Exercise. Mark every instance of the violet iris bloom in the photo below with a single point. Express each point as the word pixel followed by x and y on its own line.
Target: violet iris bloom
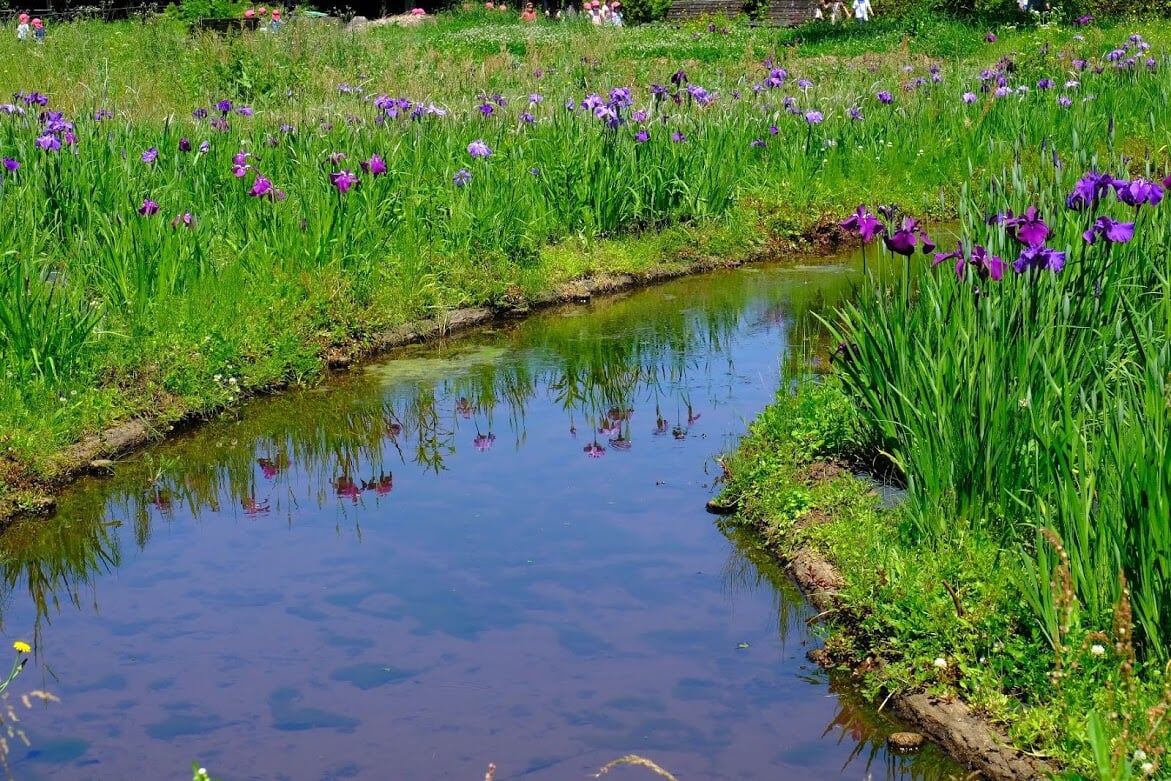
pixel 483 442
pixel 1138 191
pixel 885 97
pixel 642 136
pixel 864 224
pixel 375 166
pixel 224 106
pixel 855 114
pixel 1029 228
pixel 184 145
pixel 148 207
pixel 957 256
pixel 678 138
pixel 262 188
pixel 1039 257
pixel 199 113
pixel 903 240
pixel 183 219
pixel 1089 191
pixel 479 149
pixel 462 177
pixel 11 165
pixel 49 143
pixel 987 266
pixel 344 181
pixel 150 155
pixel 1106 228
pixel 205 147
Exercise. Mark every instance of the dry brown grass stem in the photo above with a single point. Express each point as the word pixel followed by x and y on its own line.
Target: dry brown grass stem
pixel 634 759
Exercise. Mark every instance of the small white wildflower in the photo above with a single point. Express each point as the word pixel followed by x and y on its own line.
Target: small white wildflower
pixel 1097 649
pixel 940 662
pixel 231 380
pixel 1139 755
pixel 1148 768
pixel 218 377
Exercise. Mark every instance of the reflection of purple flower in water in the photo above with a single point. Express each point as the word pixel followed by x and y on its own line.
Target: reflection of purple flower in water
pixel 382 486
pixel 483 442
pixel 346 488
pixel 609 429
pixel 620 443
pixel 594 450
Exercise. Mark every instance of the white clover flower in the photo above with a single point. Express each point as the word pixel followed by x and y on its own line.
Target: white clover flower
pixel 1139 755
pixel 1097 649
pixel 940 662
pixel 1148 768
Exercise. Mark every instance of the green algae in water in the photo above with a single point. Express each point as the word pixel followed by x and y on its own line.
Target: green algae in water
pixel 436 369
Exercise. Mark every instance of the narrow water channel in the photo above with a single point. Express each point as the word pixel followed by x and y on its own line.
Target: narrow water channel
pixel 492 549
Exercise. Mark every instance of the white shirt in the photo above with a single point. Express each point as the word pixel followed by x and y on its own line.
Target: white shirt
pixel 862 10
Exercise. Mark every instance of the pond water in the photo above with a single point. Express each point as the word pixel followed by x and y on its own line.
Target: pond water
pixel 492 549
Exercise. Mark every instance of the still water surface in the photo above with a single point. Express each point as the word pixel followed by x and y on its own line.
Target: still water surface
pixel 492 549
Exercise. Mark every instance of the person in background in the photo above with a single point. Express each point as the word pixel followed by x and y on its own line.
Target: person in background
pixel 275 24
pixel 595 13
pixel 837 11
pixel 862 11
pixel 38 30
pixel 616 13
pixel 819 11
pixel 529 14
pixel 22 29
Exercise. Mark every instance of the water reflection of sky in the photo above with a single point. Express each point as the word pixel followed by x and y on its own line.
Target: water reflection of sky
pixel 489 550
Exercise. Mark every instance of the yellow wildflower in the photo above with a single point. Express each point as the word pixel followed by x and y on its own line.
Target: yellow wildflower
pixel 22 646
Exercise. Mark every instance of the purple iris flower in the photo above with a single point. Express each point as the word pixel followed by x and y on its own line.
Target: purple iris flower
pixel 224 107
pixel 49 142
pixel 11 165
pixel 240 158
pixel 1081 21
pixel 679 77
pixel 150 155
pixel 244 111
pixel 903 240
pixel 184 145
pixel 1138 191
pixel 263 188
pixel 593 102
pixel 535 98
pixel 969 97
pixel 1111 230
pixel 987 266
pixel 957 256
pixel 678 137
pixel 658 90
pixel 620 97
pixel 642 136
pixel 375 166
pixel 804 84
pixel 1089 191
pixel 757 143
pixel 487 109
pixel 199 113
pixel 240 170
pixel 344 181
pixel 103 114
pixel 814 117
pixel 462 177
pixel 990 37
pixel 479 149
pixel 1064 101
pixel 527 119
pixel 1045 84
pixel 183 219
pixel 864 224
pixel 1039 257
pixel 220 124
pixel 148 207
pixel 205 147
pixel 1029 228
pixel 885 97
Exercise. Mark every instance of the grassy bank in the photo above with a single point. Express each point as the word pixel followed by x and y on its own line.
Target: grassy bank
pixel 947 615
pixel 188 220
